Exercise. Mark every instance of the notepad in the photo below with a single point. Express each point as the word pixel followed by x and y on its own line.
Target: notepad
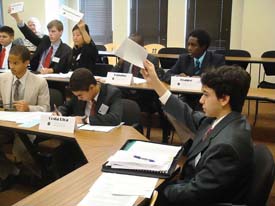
pixel 144 158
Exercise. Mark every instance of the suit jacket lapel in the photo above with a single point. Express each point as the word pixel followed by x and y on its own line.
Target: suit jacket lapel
pixel 200 145
pixel 205 61
pixel 7 95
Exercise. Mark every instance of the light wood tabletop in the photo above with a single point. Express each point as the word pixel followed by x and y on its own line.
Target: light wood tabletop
pixel 97 147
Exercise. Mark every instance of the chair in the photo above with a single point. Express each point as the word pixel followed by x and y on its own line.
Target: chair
pixel 235 53
pixel 100 69
pixel 101 59
pixel 56 98
pixel 131 114
pixel 167 63
pixel 153 48
pixel 269 70
pixel 111 47
pixel 262 179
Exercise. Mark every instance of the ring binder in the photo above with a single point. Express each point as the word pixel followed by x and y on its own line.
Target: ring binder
pixel 142 172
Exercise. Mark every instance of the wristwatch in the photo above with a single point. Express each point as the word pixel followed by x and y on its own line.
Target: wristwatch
pixel 84 120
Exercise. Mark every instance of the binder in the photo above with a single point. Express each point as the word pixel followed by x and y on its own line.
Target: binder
pixel 145 173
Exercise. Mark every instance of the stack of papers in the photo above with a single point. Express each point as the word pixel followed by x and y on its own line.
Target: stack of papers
pixel 118 190
pixel 145 156
pixel 54 75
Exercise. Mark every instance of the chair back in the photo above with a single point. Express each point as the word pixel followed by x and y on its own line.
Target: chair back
pixel 262 177
pixel 269 68
pixel 131 112
pixel 56 98
pixel 153 48
pixel 101 59
pixel 167 63
pixel 111 47
pixel 235 53
pixel 100 69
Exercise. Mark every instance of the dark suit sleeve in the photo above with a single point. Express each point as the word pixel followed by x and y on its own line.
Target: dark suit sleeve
pixel 176 69
pixel 183 113
pixel 220 168
pixel 118 68
pixel 113 116
pixel 64 53
pixel 32 37
pixel 220 60
pixel 67 108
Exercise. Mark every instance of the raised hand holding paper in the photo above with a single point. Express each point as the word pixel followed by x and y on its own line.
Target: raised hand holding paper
pixel 70 13
pixel 17 7
pixel 132 52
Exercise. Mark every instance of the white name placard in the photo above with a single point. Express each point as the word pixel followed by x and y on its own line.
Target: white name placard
pixel 70 13
pixel 17 7
pixel 192 83
pixel 119 78
pixel 57 123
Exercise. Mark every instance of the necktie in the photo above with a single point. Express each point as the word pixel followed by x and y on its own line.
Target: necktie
pixel 47 59
pixel 207 133
pixel 16 90
pixel 135 70
pixel 93 112
pixel 197 67
pixel 2 57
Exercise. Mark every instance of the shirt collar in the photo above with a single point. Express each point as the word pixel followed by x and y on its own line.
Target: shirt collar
pixel 56 45
pixel 217 121
pixel 22 79
pixel 200 59
pixel 7 47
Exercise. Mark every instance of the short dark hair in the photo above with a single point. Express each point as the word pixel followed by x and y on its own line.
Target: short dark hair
pixel 7 30
pixel 21 51
pixel 203 37
pixel 58 24
pixel 137 38
pixel 86 28
pixel 81 80
pixel 229 80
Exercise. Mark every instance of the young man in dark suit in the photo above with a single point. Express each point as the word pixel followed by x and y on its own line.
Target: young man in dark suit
pixel 198 59
pixel 51 55
pixel 6 39
pixel 220 158
pixel 93 103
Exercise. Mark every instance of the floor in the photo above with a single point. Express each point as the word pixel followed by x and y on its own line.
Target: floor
pixel 263 132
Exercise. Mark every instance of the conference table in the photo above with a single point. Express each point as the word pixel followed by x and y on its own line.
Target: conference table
pixel 97 148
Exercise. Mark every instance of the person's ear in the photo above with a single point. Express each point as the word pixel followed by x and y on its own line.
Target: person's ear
pixel 26 63
pixel 224 100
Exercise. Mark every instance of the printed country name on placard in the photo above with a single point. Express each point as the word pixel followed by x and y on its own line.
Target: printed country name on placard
pixel 120 75
pixel 57 118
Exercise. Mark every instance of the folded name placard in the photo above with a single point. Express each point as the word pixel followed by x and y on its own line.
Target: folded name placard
pixel 192 83
pixel 17 7
pixel 57 123
pixel 144 158
pixel 119 78
pixel 70 13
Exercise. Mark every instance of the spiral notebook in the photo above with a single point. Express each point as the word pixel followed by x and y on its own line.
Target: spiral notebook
pixel 156 159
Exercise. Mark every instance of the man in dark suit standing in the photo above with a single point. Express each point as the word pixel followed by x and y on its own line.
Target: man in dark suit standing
pixel 51 55
pixel 198 59
pixel 93 103
pixel 220 158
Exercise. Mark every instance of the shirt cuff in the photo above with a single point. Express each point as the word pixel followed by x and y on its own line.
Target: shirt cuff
pixel 164 98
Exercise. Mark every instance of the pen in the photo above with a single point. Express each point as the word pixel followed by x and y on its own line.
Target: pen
pixel 142 158
pixel 56 110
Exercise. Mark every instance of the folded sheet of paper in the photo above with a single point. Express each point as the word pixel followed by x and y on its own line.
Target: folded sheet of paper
pixel 55 75
pixel 17 7
pixel 113 189
pixel 99 128
pixel 132 52
pixel 70 13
